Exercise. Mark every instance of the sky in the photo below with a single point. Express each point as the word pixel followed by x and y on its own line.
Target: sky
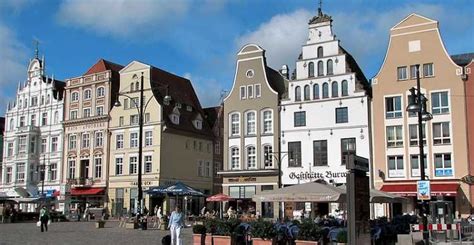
pixel 199 39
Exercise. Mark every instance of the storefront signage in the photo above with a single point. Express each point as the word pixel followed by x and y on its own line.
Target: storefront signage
pixel 143 183
pixel 317 175
pixel 423 190
pixel 243 179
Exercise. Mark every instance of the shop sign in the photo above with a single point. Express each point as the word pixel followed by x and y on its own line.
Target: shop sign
pixel 317 175
pixel 243 179
pixel 143 183
pixel 423 190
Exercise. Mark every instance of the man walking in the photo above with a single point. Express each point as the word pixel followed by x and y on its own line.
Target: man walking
pixel 44 218
pixel 175 224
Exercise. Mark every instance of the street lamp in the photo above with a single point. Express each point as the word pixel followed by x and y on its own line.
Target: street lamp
pixel 417 104
pixel 41 169
pixel 141 108
pixel 278 157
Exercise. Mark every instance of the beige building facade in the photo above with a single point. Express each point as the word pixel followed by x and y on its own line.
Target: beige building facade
pixel 251 130
pixel 88 100
pixel 177 142
pixel 414 41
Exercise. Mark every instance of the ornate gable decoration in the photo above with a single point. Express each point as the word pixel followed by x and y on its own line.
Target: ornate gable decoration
pixel 320 18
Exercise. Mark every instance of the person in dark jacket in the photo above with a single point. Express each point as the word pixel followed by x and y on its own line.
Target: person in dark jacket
pixel 44 218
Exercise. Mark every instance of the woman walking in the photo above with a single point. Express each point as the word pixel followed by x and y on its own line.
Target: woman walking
pixel 44 218
pixel 175 224
pixel 158 217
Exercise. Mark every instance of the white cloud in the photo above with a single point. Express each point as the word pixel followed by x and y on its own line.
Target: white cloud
pixel 208 90
pixel 281 37
pixel 121 18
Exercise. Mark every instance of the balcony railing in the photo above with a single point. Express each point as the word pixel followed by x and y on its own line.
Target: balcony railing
pixel 81 181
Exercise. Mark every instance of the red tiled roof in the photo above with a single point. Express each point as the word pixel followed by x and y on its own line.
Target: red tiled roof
pixel 103 65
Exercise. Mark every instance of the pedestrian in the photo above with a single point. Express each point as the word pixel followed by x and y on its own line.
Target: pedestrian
pixel 86 213
pixel 176 222
pixel 44 218
pixel 78 212
pixel 158 217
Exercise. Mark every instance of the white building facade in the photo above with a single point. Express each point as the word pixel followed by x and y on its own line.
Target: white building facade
pixel 326 114
pixel 33 136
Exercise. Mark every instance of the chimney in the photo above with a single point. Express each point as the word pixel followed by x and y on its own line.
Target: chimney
pixel 284 71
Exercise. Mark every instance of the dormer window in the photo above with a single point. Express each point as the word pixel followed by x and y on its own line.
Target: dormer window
pixel 198 124
pixel 189 108
pixel 174 118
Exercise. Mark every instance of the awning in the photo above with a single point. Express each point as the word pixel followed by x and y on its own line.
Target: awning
pixel 87 191
pixel 448 189
pixel 308 192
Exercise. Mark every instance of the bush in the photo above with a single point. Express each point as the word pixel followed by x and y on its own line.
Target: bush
pixel 227 227
pixel 211 225
pixel 199 229
pixel 308 231
pixel 342 236
pixel 263 229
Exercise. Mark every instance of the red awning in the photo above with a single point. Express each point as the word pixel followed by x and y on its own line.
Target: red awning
pixel 448 189
pixel 87 191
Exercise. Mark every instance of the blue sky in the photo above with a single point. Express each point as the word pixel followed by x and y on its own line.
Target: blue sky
pixel 199 39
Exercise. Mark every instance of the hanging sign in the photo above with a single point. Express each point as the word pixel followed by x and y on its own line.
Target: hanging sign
pixel 423 190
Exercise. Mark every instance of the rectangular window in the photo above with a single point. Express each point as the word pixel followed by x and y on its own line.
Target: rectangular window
pixel 44 143
pixel 235 124
pixel 87 112
pixel 53 172
pixel 133 119
pixel 54 144
pixel 33 120
pixel 217 168
pixel 99 139
pixel 118 166
pixel 148 164
pixel 98 167
pixel 242 191
pixel 413 71
pixel 85 141
pixel 294 154
pixel 243 94
pixel 147 118
pixel 428 70
pixel 217 148
pixel 395 167
pixel 300 118
pixel 119 141
pixel 393 107
pixel 439 103
pixel 22 144
pixel 320 153
pixel 402 73
pixel 121 121
pixel 268 156
pixel 235 158
pixel 443 165
pixel 133 165
pixel 267 122
pixel 413 131
pixel 257 90
pixel 133 140
pixel 72 168
pixel 441 133
pixel 72 142
pixel 342 115
pixel 20 173
pixel 200 169
pixel 73 114
pixel 9 174
pixel 250 91
pixel 44 119
pixel 394 136
pixel 10 149
pixel 22 121
pixel 251 123
pixel 415 165
pixel 125 104
pixel 34 101
pixel 99 111
pixel 348 146
pixel 148 138
pixel 134 102
pixel 208 169
pixel 32 144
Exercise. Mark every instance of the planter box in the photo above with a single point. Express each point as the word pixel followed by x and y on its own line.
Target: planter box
pixel 99 224
pixel 301 242
pixel 260 241
pixel 199 239
pixel 208 239
pixel 221 240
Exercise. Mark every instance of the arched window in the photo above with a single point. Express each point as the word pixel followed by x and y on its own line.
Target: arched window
pixel 325 90
pixel 329 67
pixel 251 158
pixel 56 117
pixel 306 92
pixel 298 93
pixel 137 86
pixel 235 124
pixel 334 89
pixel 234 158
pixel 74 96
pixel 345 88
pixel 320 68
pixel 320 52
pixel 132 86
pixel 87 94
pixel 311 69
pixel 316 91
pixel 267 122
pixel 100 91
pixel 250 125
pixel 12 124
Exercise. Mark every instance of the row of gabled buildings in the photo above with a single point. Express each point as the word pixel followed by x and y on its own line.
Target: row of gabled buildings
pixel 273 129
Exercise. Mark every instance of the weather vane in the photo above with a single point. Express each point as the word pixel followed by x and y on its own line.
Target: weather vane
pixel 320 9
pixel 36 43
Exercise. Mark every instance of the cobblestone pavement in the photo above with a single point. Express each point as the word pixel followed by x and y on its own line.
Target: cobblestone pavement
pixel 82 233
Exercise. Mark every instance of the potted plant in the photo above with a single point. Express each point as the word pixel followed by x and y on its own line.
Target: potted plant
pixel 225 232
pixel 164 222
pixel 99 224
pixel 342 237
pixel 211 225
pixel 262 232
pixel 199 234
pixel 309 233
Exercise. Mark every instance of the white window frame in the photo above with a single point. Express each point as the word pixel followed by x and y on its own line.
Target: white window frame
pixel 251 158
pixel 86 112
pixel 118 166
pixel 72 142
pixel 148 138
pixel 443 109
pixel 251 125
pixel 432 70
pixel 133 140
pixel 234 125
pixel 442 139
pixel 74 96
pixel 415 172
pixel 258 90
pixel 71 163
pixel 119 141
pixel 148 168
pixel 250 92
pixel 395 113
pixel 99 110
pixel 243 93
pixel 400 72
pixel 85 140
pixel 133 165
pixel 73 114
pixel 99 139
pixel 396 142
pixel 234 158
pixel 54 143
pixel 22 143
pixel 20 173
pixel 98 167
pixel 397 172
pixel 267 124
pixel 100 92
pixel 87 94
pixel 443 167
